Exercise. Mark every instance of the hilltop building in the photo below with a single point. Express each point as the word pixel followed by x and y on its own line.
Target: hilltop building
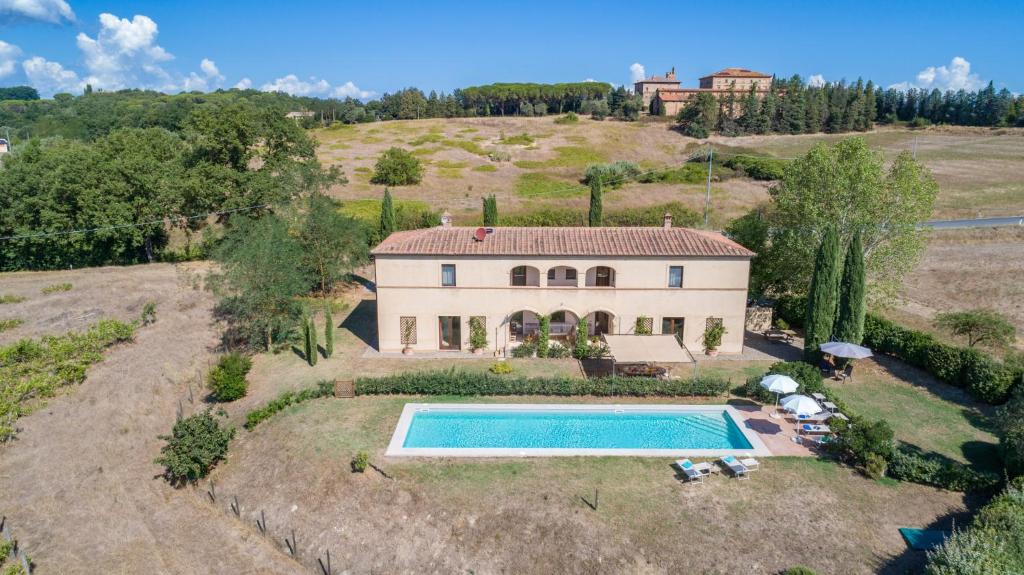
pixel 664 95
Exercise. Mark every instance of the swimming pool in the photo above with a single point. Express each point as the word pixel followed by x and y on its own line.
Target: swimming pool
pixel 482 430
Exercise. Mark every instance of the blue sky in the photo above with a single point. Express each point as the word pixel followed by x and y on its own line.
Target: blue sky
pixel 366 48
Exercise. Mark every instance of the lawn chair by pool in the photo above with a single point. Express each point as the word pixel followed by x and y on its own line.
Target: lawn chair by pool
pixel 750 463
pixel 739 471
pixel 694 472
pixel 812 429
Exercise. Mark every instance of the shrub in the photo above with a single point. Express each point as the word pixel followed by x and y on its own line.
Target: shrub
pixel 808 376
pixel 477 334
pixel 799 570
pixel 1010 424
pixel 757 167
pixel 860 438
pixel 558 351
pixel 570 118
pixel 227 379
pixel 499 156
pixel 781 323
pixel 259 415
pixel 11 298
pixel 688 173
pixel 712 337
pixel 907 464
pixel 642 325
pixel 397 167
pixel 148 313
pixel 360 462
pixel 792 309
pixel 453 382
pixel 874 466
pixel 10 323
pixel 501 368
pixel 612 175
pixel 993 543
pixel 57 287
pixel 195 445
pixel 525 349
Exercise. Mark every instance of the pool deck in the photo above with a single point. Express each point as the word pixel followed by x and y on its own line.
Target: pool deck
pixel 776 433
pixel 744 423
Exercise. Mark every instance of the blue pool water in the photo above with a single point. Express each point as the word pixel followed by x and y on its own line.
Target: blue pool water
pixel 598 429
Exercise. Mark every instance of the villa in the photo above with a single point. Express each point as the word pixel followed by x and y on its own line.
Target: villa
pixel 667 280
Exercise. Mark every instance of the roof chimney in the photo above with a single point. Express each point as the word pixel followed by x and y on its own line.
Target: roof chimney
pixel 667 220
pixel 446 219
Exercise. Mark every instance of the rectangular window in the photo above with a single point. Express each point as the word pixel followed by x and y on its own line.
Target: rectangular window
pixel 448 274
pixel 407 329
pixel 558 317
pixel 673 325
pixel 570 274
pixel 675 276
pixel 551 274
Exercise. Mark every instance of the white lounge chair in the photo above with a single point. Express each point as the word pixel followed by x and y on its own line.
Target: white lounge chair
pixel 694 472
pixel 750 463
pixel 739 471
pixel 819 417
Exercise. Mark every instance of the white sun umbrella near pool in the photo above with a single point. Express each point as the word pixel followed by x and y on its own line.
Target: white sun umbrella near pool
pixel 847 350
pixel 800 405
pixel 779 385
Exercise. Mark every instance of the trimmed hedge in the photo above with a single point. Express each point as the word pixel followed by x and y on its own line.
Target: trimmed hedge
pixel 452 382
pixel 907 465
pixel 982 376
pixel 257 416
pixel 808 376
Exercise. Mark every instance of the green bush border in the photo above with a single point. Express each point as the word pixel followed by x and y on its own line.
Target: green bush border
pixel 259 415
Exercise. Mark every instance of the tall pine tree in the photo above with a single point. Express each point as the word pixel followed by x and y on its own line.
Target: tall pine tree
pixel 850 324
pixel 388 224
pixel 595 216
pixel 823 297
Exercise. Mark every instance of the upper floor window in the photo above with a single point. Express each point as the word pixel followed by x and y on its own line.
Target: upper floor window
pixel 519 276
pixel 570 274
pixel 675 276
pixel 603 276
pixel 448 275
pixel 551 274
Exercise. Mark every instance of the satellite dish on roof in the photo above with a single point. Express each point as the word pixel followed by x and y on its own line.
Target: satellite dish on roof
pixel 479 234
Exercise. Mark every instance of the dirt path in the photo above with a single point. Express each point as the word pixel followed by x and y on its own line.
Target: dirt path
pixel 78 484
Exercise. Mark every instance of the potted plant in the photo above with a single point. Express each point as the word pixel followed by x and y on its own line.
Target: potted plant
pixel 477 336
pixel 408 331
pixel 713 338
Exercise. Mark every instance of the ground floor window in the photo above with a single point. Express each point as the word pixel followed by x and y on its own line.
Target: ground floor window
pixel 450 332
pixel 673 325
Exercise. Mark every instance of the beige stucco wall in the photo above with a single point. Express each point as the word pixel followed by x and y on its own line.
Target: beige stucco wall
pixel 411 286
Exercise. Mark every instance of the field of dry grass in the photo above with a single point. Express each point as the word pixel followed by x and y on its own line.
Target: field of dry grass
pixel 980 171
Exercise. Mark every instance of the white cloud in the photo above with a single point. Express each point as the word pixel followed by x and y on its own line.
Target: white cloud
pixel 350 90
pixel 956 76
pixel 52 11
pixel 291 84
pixel 244 84
pixel 209 67
pixel 8 58
pixel 637 72
pixel 50 77
pixel 816 81
pixel 125 53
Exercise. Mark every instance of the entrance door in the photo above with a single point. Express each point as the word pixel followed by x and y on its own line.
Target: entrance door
pixel 450 329
pixel 673 325
pixel 602 323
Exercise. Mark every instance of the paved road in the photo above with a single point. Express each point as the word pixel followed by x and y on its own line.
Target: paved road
pixel 977 223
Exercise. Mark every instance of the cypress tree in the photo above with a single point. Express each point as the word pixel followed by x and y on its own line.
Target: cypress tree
pixel 595 216
pixel 313 347
pixel 543 338
pixel 823 297
pixel 328 331
pixel 307 341
pixel 850 324
pixel 490 210
pixel 388 224
pixel 582 342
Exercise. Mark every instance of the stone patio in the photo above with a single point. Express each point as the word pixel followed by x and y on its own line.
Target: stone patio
pixel 776 433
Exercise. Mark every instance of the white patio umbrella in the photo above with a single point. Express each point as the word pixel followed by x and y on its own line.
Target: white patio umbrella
pixel 847 350
pixel 800 405
pixel 779 384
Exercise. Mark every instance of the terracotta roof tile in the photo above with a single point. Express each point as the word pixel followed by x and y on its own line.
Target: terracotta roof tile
pixel 577 241
pixel 736 73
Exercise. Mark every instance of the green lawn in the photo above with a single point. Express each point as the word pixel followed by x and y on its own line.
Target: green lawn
pixel 930 415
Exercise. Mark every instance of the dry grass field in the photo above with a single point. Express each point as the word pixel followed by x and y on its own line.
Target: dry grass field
pixel 980 171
